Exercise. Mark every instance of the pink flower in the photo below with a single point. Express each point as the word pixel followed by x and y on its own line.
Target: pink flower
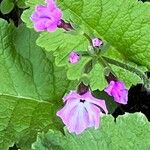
pixel 46 17
pixel 81 111
pixel 118 90
pixel 74 57
pixel 96 42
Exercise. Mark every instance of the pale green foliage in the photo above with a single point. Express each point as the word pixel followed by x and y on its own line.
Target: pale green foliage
pixel 31 87
pixel 130 131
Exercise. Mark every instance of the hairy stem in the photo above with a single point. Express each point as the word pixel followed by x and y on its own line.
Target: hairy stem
pixel 131 69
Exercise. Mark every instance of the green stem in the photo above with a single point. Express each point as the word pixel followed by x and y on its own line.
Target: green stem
pixel 87 36
pixel 129 68
pixel 105 64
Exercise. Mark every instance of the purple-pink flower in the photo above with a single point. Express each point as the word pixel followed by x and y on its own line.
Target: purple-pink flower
pixel 96 42
pixel 118 90
pixel 74 57
pixel 46 17
pixel 81 111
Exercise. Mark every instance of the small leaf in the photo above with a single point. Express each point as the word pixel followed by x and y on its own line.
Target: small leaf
pixel 6 6
pixel 97 78
pixel 21 4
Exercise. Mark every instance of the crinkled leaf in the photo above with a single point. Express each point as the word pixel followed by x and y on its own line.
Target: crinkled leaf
pixel 31 87
pixel 131 131
pixel 97 78
pixel 62 44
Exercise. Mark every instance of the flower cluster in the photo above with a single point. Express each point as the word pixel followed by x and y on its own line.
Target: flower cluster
pixel 81 110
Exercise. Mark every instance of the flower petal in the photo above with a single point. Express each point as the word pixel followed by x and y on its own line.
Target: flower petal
pixel 82 121
pixel 46 17
pixel 81 111
pixel 91 99
pixel 72 95
pixel 108 90
pixel 64 113
pixel 57 13
pixel 51 4
pixel 94 115
pixel 39 26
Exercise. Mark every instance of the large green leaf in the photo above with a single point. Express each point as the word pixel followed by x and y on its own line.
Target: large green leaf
pixel 130 131
pixel 31 87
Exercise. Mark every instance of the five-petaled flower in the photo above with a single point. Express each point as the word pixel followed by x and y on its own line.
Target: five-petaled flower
pixel 46 17
pixel 81 111
pixel 118 90
pixel 96 42
pixel 74 57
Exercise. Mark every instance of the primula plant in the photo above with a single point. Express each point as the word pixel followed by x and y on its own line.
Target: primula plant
pixel 69 68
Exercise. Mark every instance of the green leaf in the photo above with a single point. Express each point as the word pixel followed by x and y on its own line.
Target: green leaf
pixel 97 78
pixel 76 71
pixel 62 44
pixel 129 132
pixel 21 119
pixel 31 87
pixel 6 6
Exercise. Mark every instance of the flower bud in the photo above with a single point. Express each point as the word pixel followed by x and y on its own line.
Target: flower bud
pixel 74 57
pixel 96 42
